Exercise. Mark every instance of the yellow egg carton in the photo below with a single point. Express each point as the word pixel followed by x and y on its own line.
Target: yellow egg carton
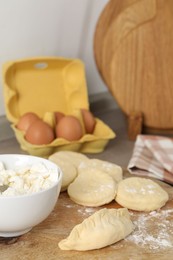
pixel 44 85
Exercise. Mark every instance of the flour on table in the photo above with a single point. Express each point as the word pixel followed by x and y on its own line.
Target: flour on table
pixel 85 211
pixel 153 230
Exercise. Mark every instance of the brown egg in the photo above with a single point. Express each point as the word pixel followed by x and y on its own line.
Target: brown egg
pixel 89 121
pixel 26 120
pixel 40 133
pixel 69 128
pixel 58 116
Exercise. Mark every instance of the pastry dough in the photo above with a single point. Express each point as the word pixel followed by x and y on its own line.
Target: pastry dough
pixel 68 169
pixel 141 194
pixel 92 188
pixel 112 169
pixel 103 228
pixel 70 156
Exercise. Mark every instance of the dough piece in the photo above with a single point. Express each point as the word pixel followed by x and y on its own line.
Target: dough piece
pixel 94 188
pixel 112 169
pixel 103 228
pixel 68 169
pixel 69 156
pixel 141 194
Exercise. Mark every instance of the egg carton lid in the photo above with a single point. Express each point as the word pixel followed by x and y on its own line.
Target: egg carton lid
pixel 44 84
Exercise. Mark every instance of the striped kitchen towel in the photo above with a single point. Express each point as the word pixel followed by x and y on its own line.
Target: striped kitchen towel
pixel 153 157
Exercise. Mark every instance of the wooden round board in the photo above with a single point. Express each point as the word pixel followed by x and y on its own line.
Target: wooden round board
pixel 134 55
pixel 112 9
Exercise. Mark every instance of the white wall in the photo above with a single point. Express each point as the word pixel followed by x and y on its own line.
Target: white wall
pixel 65 28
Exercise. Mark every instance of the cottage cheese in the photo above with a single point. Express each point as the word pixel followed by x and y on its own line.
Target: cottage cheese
pixel 27 179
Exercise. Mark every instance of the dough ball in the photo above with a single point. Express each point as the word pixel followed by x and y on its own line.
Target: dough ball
pixel 68 169
pixel 112 169
pixel 103 228
pixel 141 194
pixel 69 156
pixel 92 188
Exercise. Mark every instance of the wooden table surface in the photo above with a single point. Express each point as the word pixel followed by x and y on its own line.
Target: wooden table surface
pixel 42 241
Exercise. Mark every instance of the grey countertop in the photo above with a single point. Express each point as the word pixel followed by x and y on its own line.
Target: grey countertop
pixel 103 106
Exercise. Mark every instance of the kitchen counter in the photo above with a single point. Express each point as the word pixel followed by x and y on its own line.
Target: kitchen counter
pixel 153 235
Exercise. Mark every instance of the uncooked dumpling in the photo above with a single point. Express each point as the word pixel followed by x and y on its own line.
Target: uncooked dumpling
pixel 141 194
pixel 93 188
pixel 112 169
pixel 103 228
pixel 68 169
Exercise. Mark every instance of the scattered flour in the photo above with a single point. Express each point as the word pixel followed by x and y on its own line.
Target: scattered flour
pixel 86 211
pixel 83 211
pixel 153 230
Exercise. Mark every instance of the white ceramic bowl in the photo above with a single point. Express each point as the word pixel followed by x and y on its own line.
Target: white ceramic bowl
pixel 19 214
